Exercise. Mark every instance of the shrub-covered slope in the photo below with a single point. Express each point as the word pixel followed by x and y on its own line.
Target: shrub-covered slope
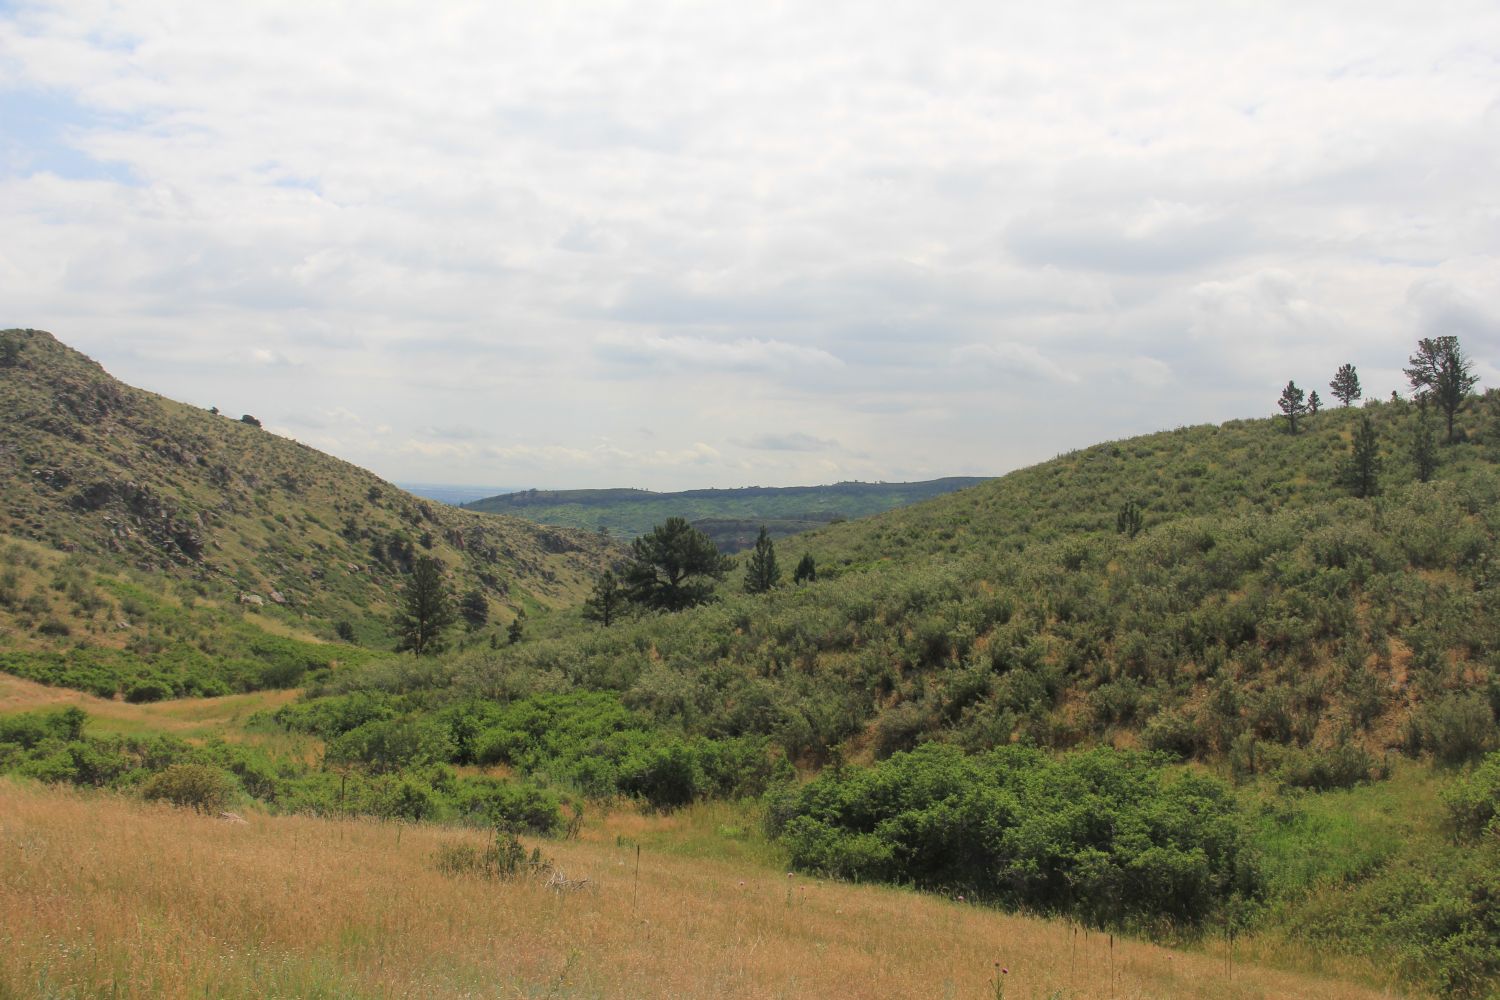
pixel 1261 614
pixel 120 509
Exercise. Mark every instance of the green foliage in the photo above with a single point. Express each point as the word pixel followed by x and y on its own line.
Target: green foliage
pixel 761 571
pixel 1472 801
pixel 425 611
pixel 1345 384
pixel 1442 375
pixel 673 567
pixel 1293 403
pixel 1128 521
pixel 807 569
pixel 1361 474
pixel 1343 765
pixel 475 609
pixel 1112 838
pixel 203 787
pixel 503 860
pixel 1424 452
pixel 605 601
pixel 234 657
pixel 387 746
pixel 54 747
pixel 10 349
pixel 1455 728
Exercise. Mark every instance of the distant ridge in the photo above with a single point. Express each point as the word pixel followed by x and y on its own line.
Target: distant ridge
pixel 732 517
pixel 454 494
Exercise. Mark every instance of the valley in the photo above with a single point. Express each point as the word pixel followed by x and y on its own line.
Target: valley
pixel 1186 688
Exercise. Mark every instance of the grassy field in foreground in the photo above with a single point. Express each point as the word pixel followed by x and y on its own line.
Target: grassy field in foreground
pixel 103 896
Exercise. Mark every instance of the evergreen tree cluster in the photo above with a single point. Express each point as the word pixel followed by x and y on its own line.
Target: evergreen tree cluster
pixel 1441 377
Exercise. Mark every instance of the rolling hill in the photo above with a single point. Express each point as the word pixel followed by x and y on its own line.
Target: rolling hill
pixel 132 523
pixel 731 517
pixel 1188 683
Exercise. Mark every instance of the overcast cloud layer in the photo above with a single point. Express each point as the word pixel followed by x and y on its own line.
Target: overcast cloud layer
pixel 679 245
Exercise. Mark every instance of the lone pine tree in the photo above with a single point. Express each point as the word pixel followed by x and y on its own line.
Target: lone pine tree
pixel 806 571
pixel 673 567
pixel 1293 403
pixel 1345 385
pixel 1361 473
pixel 761 572
pixel 605 601
pixel 1440 374
pixel 425 610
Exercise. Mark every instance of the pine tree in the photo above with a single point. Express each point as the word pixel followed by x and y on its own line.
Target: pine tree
pixel 761 572
pixel 806 571
pixel 673 567
pixel 1345 385
pixel 1440 373
pixel 1293 404
pixel 1313 402
pixel 1361 474
pixel 425 610
pixel 517 628
pixel 475 609
pixel 605 600
pixel 1424 453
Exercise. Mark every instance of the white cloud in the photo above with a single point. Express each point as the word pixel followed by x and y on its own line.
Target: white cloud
pixel 743 355
pixel 1014 361
pixel 543 223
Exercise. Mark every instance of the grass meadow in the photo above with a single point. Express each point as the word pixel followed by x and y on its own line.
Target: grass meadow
pixel 104 896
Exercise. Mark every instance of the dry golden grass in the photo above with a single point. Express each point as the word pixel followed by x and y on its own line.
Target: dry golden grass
pixel 103 896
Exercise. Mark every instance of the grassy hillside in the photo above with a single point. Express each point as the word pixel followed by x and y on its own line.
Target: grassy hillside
pixel 732 518
pixel 1253 715
pixel 1260 603
pixel 104 897
pixel 142 530
pixel 1263 622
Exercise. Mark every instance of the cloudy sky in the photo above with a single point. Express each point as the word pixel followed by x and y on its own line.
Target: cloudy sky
pixel 671 245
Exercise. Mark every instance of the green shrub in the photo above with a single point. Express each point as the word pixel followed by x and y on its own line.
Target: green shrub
pixel 1456 728
pixel 150 689
pixel 1472 802
pixel 1110 837
pixel 199 786
pixel 509 805
pixel 391 745
pixel 502 860
pixel 1341 766
pixel 665 776
pixel 1173 732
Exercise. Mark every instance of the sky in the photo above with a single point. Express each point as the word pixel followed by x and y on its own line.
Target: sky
pixel 677 245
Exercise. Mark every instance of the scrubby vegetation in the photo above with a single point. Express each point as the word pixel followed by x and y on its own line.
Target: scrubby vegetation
pixel 56 747
pixel 1112 838
pixel 1169 685
pixel 101 480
